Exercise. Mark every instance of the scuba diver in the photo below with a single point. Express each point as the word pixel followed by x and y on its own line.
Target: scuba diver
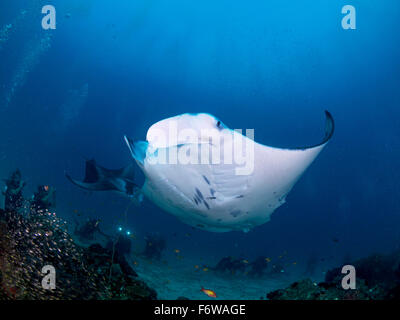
pixel 88 230
pixel 120 247
pixel 122 244
pixel 155 245
pixel 258 267
pixel 13 192
pixel 44 198
pixel 230 264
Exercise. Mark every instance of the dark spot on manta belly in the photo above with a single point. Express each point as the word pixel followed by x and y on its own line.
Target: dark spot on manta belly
pixel 199 194
pixel 236 213
pixel 238 197
pixel 212 191
pixel 206 180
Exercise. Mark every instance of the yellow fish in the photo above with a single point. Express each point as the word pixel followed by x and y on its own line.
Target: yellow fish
pixel 205 269
pixel 177 251
pixel 245 261
pixel 209 292
pixel 267 259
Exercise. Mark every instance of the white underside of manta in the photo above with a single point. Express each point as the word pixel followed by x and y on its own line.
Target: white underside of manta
pixel 212 196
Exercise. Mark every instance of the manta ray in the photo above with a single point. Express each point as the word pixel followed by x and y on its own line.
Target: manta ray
pixel 216 196
pixel 98 178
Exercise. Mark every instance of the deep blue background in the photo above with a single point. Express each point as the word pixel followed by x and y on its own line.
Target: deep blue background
pixel 269 65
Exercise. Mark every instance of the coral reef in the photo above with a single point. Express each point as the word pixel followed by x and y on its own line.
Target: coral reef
pixel 28 244
pixel 308 290
pixel 378 278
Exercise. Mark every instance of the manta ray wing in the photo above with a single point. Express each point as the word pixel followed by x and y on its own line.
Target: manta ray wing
pixel 92 186
pixel 91 172
pixel 275 173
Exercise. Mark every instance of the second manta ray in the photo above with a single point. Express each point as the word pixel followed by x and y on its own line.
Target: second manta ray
pixel 98 178
pixel 220 195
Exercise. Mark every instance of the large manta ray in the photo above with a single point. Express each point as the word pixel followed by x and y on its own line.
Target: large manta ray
pixel 217 196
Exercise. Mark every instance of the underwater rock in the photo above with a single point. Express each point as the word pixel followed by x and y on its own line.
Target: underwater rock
pixel 138 290
pixel 308 290
pixel 378 278
pixel 376 269
pixel 302 290
pixel 394 294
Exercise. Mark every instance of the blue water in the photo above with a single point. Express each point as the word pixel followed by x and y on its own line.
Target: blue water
pixel 115 68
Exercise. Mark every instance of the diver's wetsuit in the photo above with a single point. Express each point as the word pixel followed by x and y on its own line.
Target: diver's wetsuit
pixel 121 247
pixel 155 245
pixel 89 229
pixel 43 199
pixel 258 267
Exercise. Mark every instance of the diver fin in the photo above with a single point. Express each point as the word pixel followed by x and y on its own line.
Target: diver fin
pixel 138 149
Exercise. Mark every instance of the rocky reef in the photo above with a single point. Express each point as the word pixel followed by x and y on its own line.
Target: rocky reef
pixel 377 278
pixel 27 244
